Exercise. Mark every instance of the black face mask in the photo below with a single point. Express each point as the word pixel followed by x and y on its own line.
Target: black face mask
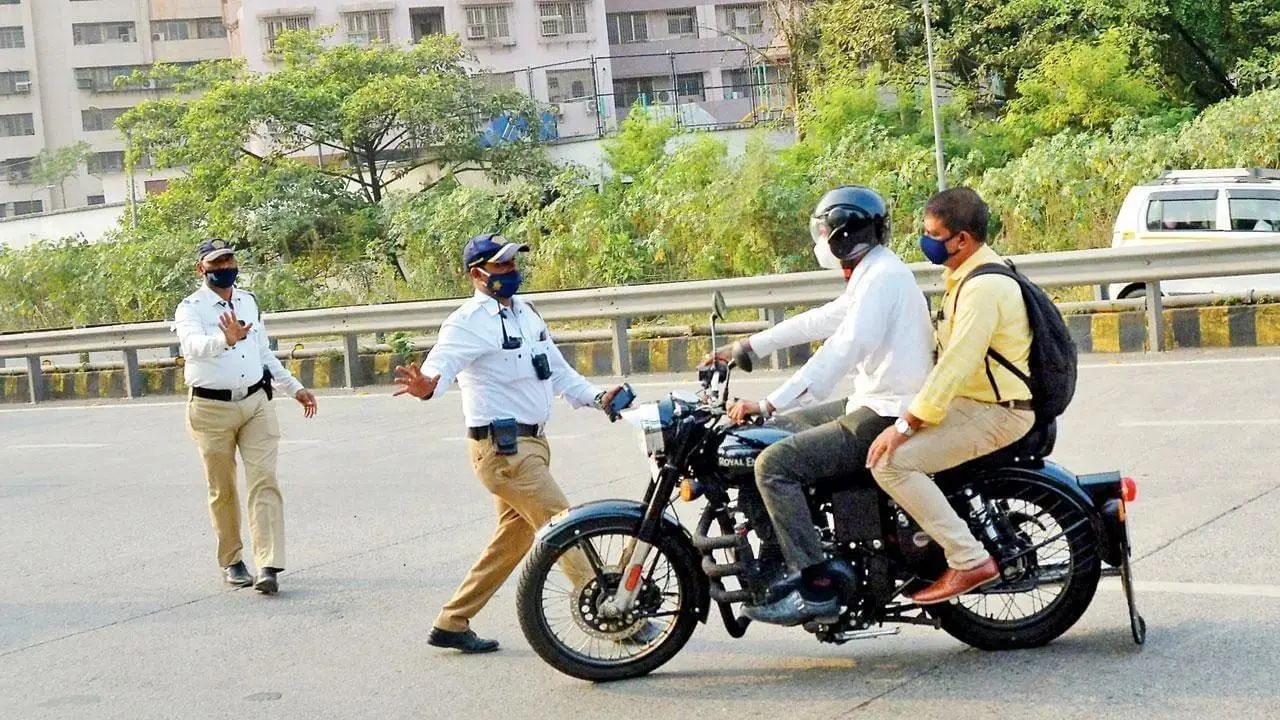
pixel 223 278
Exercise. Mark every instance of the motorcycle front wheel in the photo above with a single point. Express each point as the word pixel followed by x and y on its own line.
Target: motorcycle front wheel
pixel 1047 584
pixel 563 620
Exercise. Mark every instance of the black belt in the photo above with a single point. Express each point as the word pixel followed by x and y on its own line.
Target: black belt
pixel 1017 405
pixel 482 433
pixel 225 395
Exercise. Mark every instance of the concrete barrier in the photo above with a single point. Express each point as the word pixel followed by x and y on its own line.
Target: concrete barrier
pixel 1205 327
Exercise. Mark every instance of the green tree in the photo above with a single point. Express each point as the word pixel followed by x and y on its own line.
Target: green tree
pixel 374 115
pixel 52 166
pixel 1083 86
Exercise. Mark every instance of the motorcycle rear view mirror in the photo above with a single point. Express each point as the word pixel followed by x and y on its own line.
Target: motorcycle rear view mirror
pixel 719 307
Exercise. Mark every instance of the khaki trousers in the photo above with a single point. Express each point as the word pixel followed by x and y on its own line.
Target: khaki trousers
pixel 970 430
pixel 219 428
pixel 525 498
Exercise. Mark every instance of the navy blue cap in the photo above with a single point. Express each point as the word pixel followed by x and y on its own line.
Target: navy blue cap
pixel 490 248
pixel 213 248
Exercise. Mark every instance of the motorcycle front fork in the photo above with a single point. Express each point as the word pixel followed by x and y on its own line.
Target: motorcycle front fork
pixel 639 546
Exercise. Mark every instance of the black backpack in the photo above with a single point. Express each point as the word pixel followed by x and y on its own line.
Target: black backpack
pixel 1053 352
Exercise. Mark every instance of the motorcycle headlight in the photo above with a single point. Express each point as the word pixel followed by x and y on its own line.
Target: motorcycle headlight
pixel 651 420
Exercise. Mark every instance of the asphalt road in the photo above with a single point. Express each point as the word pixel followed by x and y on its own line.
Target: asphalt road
pixel 112 605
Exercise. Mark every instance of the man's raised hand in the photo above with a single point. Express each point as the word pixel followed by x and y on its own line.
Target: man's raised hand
pixel 413 382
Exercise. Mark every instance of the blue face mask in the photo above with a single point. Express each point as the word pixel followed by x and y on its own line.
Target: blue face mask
pixel 224 278
pixel 935 250
pixel 503 285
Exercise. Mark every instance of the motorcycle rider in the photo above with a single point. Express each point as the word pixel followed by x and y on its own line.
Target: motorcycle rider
pixel 878 332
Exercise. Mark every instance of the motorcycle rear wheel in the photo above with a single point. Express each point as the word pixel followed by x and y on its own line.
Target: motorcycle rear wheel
pixel 668 607
pixel 1065 559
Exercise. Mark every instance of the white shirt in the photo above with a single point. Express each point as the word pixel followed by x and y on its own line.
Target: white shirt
pixel 878 330
pixel 209 362
pixel 498 383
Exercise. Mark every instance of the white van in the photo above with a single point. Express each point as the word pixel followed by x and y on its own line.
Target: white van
pixel 1201 206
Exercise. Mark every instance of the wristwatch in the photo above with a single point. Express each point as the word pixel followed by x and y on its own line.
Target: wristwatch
pixel 904 427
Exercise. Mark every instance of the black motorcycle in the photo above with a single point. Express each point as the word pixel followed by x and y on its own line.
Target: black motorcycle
pixel 653 581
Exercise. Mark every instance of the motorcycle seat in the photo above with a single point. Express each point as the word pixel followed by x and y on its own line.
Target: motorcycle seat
pixel 1030 451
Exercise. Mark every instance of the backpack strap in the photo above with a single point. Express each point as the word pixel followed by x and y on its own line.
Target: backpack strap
pixel 1008 270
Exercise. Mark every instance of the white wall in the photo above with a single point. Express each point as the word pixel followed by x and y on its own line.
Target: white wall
pixel 91 222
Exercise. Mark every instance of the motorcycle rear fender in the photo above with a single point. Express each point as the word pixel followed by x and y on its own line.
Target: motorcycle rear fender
pixel 564 529
pixel 1089 492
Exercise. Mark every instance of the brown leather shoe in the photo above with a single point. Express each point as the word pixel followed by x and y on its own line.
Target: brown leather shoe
pixel 955 583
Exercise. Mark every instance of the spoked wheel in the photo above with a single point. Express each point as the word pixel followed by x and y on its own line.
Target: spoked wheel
pixel 1050 567
pixel 571 624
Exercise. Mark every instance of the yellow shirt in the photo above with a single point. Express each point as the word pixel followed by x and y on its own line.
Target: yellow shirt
pixel 989 314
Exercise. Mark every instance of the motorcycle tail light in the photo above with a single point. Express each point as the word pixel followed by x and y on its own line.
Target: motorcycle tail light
pixel 1128 489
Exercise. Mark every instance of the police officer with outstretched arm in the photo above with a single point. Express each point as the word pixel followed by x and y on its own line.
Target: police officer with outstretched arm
pixel 230 369
pixel 500 352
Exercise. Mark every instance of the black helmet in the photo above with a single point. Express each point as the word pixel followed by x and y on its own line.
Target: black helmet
pixel 852 219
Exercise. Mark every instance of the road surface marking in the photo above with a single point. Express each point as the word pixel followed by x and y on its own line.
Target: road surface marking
pixel 1189 588
pixel 57 446
pixel 737 380
pixel 1198 423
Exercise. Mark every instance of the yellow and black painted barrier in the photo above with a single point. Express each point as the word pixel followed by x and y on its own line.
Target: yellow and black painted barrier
pixel 1205 327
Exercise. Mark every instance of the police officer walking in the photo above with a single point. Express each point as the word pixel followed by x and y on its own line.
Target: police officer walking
pixel 230 370
pixel 501 354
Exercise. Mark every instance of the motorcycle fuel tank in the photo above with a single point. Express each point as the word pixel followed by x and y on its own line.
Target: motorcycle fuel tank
pixel 737 454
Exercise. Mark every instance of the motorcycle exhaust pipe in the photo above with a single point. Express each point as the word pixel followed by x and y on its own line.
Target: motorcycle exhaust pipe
pixel 718 570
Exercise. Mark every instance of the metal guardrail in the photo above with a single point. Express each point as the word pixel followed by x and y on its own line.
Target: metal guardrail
pixel 769 293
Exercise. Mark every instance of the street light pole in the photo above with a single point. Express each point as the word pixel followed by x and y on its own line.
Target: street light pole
pixel 933 101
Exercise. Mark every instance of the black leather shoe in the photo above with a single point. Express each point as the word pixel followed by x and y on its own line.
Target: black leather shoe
pixel 237 575
pixel 467 641
pixel 267 582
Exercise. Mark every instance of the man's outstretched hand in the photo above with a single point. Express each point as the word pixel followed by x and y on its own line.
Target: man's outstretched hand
pixel 413 382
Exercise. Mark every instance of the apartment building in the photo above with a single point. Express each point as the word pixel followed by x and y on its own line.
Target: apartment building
pixel 715 64
pixel 59 60
pixel 543 48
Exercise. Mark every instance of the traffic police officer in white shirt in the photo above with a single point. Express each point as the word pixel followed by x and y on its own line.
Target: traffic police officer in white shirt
pixel 499 351
pixel 877 330
pixel 230 369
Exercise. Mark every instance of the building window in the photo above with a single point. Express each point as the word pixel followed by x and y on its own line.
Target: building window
pixel 627 28
pixel 745 19
pixel 106 162
pixel 155 187
pixel 565 85
pixel 563 18
pixel 10 2
pixel 364 28
pixel 97 200
pixel 20 124
pixel 28 207
pixel 690 87
pixel 488 22
pixel 170 30
pixel 210 28
pixel 103 79
pixel 99 119
pixel 193 28
pixel 682 23
pixel 426 21
pixel 17 170
pixel 15 82
pixel 99 33
pixel 626 91
pixel 12 37
pixel 498 81
pixel 273 27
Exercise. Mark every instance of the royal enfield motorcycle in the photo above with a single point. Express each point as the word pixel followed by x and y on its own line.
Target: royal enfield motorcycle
pixel 652 580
